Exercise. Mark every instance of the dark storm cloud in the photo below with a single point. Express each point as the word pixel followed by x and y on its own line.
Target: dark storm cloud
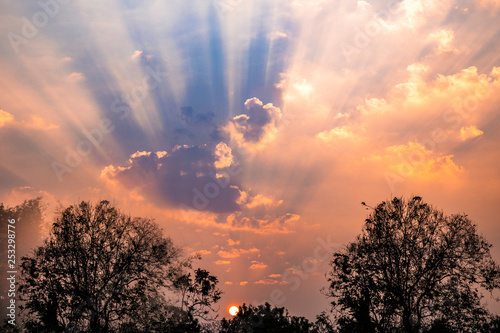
pixel 187 176
pixel 190 116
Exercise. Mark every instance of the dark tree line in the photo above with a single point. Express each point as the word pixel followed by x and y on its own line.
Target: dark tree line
pixel 412 269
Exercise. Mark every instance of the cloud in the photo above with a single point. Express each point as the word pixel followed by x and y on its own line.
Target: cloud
pixel 257 265
pixel 38 123
pixel 261 200
pixel 277 35
pixel 487 3
pixel 415 13
pixel 190 116
pixel 268 223
pixel 271 222
pixel 270 282
pixel 232 242
pixel 186 177
pixel 5 118
pixel 415 161
pixel 223 155
pixel 137 54
pixel 202 252
pixel 76 77
pixel 444 39
pixel 225 254
pixel 256 127
pixel 336 134
pixel 446 103
pixel 470 132
pixel 222 262
pixel 271 279
pixel 243 283
pixel 235 253
pixel 303 87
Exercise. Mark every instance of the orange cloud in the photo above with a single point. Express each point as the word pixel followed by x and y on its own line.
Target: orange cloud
pixel 243 283
pixel 202 252
pixel 5 118
pixel 224 156
pixel 470 132
pixel 269 282
pixel 486 3
pixel 444 39
pixel 38 123
pixel 222 262
pixel 232 242
pixel 258 265
pixel 235 253
pixel 415 161
pixel 335 134
pixel 261 200
pixel 239 221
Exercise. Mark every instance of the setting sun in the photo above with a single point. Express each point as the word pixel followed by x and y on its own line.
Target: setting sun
pixel 233 310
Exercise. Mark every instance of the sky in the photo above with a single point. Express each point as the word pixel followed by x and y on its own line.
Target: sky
pixel 252 130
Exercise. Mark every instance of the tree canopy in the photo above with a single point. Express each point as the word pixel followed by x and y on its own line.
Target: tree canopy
pixel 28 221
pixel 265 318
pixel 413 269
pixel 103 271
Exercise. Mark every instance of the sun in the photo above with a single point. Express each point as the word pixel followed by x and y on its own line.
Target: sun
pixel 233 310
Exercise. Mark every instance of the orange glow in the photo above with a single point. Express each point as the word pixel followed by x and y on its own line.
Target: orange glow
pixel 233 310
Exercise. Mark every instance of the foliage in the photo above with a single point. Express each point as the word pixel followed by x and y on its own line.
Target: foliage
pixel 103 271
pixel 265 319
pixel 198 293
pixel 28 218
pixel 412 269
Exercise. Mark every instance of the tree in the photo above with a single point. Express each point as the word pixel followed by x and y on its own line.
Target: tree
pixel 103 271
pixel 198 293
pixel 265 319
pixel 413 269
pixel 25 229
pixel 323 324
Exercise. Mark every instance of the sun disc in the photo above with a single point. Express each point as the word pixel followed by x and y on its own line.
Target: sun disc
pixel 233 310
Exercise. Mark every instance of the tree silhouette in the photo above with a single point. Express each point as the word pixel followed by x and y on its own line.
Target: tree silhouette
pixel 103 271
pixel 27 225
pixel 413 269
pixel 265 319
pixel 197 293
